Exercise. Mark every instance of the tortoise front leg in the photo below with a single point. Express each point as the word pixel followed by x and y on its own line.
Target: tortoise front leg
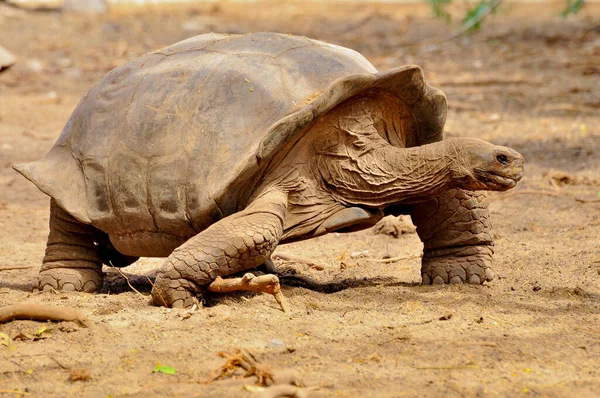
pixel 236 243
pixel 71 261
pixel 456 232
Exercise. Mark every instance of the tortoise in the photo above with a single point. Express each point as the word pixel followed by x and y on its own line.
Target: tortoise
pixel 214 150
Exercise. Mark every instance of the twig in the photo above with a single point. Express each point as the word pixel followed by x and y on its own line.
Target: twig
pixel 300 259
pixel 580 200
pixel 10 268
pixel 30 9
pixel 127 279
pixel 394 259
pixel 157 291
pixel 244 359
pixel 441 367
pixel 260 284
pixel 42 312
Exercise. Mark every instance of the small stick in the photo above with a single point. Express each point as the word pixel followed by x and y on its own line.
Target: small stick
pixel 127 279
pixel 300 259
pixel 394 259
pixel 157 291
pixel 249 282
pixel 42 312
pixel 10 268
pixel 441 367
pixel 580 200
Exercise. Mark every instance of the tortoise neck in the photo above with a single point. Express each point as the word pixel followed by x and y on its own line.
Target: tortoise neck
pixel 388 175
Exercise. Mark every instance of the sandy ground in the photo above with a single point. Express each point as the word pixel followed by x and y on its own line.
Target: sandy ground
pixel 530 81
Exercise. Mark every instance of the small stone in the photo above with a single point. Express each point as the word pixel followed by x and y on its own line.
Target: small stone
pixel 275 343
pixel 80 374
pixel 6 59
pixel 359 254
pixel 34 65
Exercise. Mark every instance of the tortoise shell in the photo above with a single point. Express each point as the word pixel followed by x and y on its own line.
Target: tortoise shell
pixel 177 139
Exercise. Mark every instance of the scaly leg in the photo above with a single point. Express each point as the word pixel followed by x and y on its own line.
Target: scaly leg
pixel 456 232
pixel 71 262
pixel 236 243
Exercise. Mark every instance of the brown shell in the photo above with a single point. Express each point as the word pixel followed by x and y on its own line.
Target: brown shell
pixel 174 140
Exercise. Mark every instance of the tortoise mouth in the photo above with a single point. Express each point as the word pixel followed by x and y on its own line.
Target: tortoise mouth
pixel 498 182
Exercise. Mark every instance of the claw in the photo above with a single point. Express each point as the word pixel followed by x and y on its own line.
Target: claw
pixel 261 284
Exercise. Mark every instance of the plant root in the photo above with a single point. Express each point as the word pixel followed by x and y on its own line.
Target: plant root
pixel 242 358
pixel 42 312
pixel 394 259
pixel 10 268
pixel 299 259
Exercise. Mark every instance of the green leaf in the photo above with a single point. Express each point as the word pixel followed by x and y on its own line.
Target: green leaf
pixel 476 14
pixel 439 10
pixel 41 330
pixel 572 8
pixel 169 370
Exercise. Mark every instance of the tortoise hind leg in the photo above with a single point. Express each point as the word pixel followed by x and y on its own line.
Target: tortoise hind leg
pixel 71 262
pixel 456 232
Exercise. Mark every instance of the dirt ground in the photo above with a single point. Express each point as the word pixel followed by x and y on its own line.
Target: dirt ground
pixel 529 80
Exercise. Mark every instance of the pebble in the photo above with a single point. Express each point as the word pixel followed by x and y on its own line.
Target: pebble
pixel 275 343
pixel 359 254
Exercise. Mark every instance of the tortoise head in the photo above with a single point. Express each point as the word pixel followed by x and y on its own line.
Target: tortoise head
pixel 480 165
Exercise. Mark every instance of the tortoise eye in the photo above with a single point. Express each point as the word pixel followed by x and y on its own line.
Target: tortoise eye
pixel 503 159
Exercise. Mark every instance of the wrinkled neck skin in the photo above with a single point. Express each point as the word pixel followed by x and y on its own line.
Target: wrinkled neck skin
pixel 387 175
pixel 344 161
pixel 361 168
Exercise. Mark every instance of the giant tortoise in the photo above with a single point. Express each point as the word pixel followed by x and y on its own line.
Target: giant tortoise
pixel 214 150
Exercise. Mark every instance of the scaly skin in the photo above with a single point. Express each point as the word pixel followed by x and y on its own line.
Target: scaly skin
pixel 71 262
pixel 239 242
pixel 455 230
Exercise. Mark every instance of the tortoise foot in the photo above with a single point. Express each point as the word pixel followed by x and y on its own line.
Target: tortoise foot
pixel 175 293
pixel 69 279
pixel 471 264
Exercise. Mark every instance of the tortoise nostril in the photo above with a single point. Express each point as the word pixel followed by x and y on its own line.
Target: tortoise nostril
pixel 503 159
